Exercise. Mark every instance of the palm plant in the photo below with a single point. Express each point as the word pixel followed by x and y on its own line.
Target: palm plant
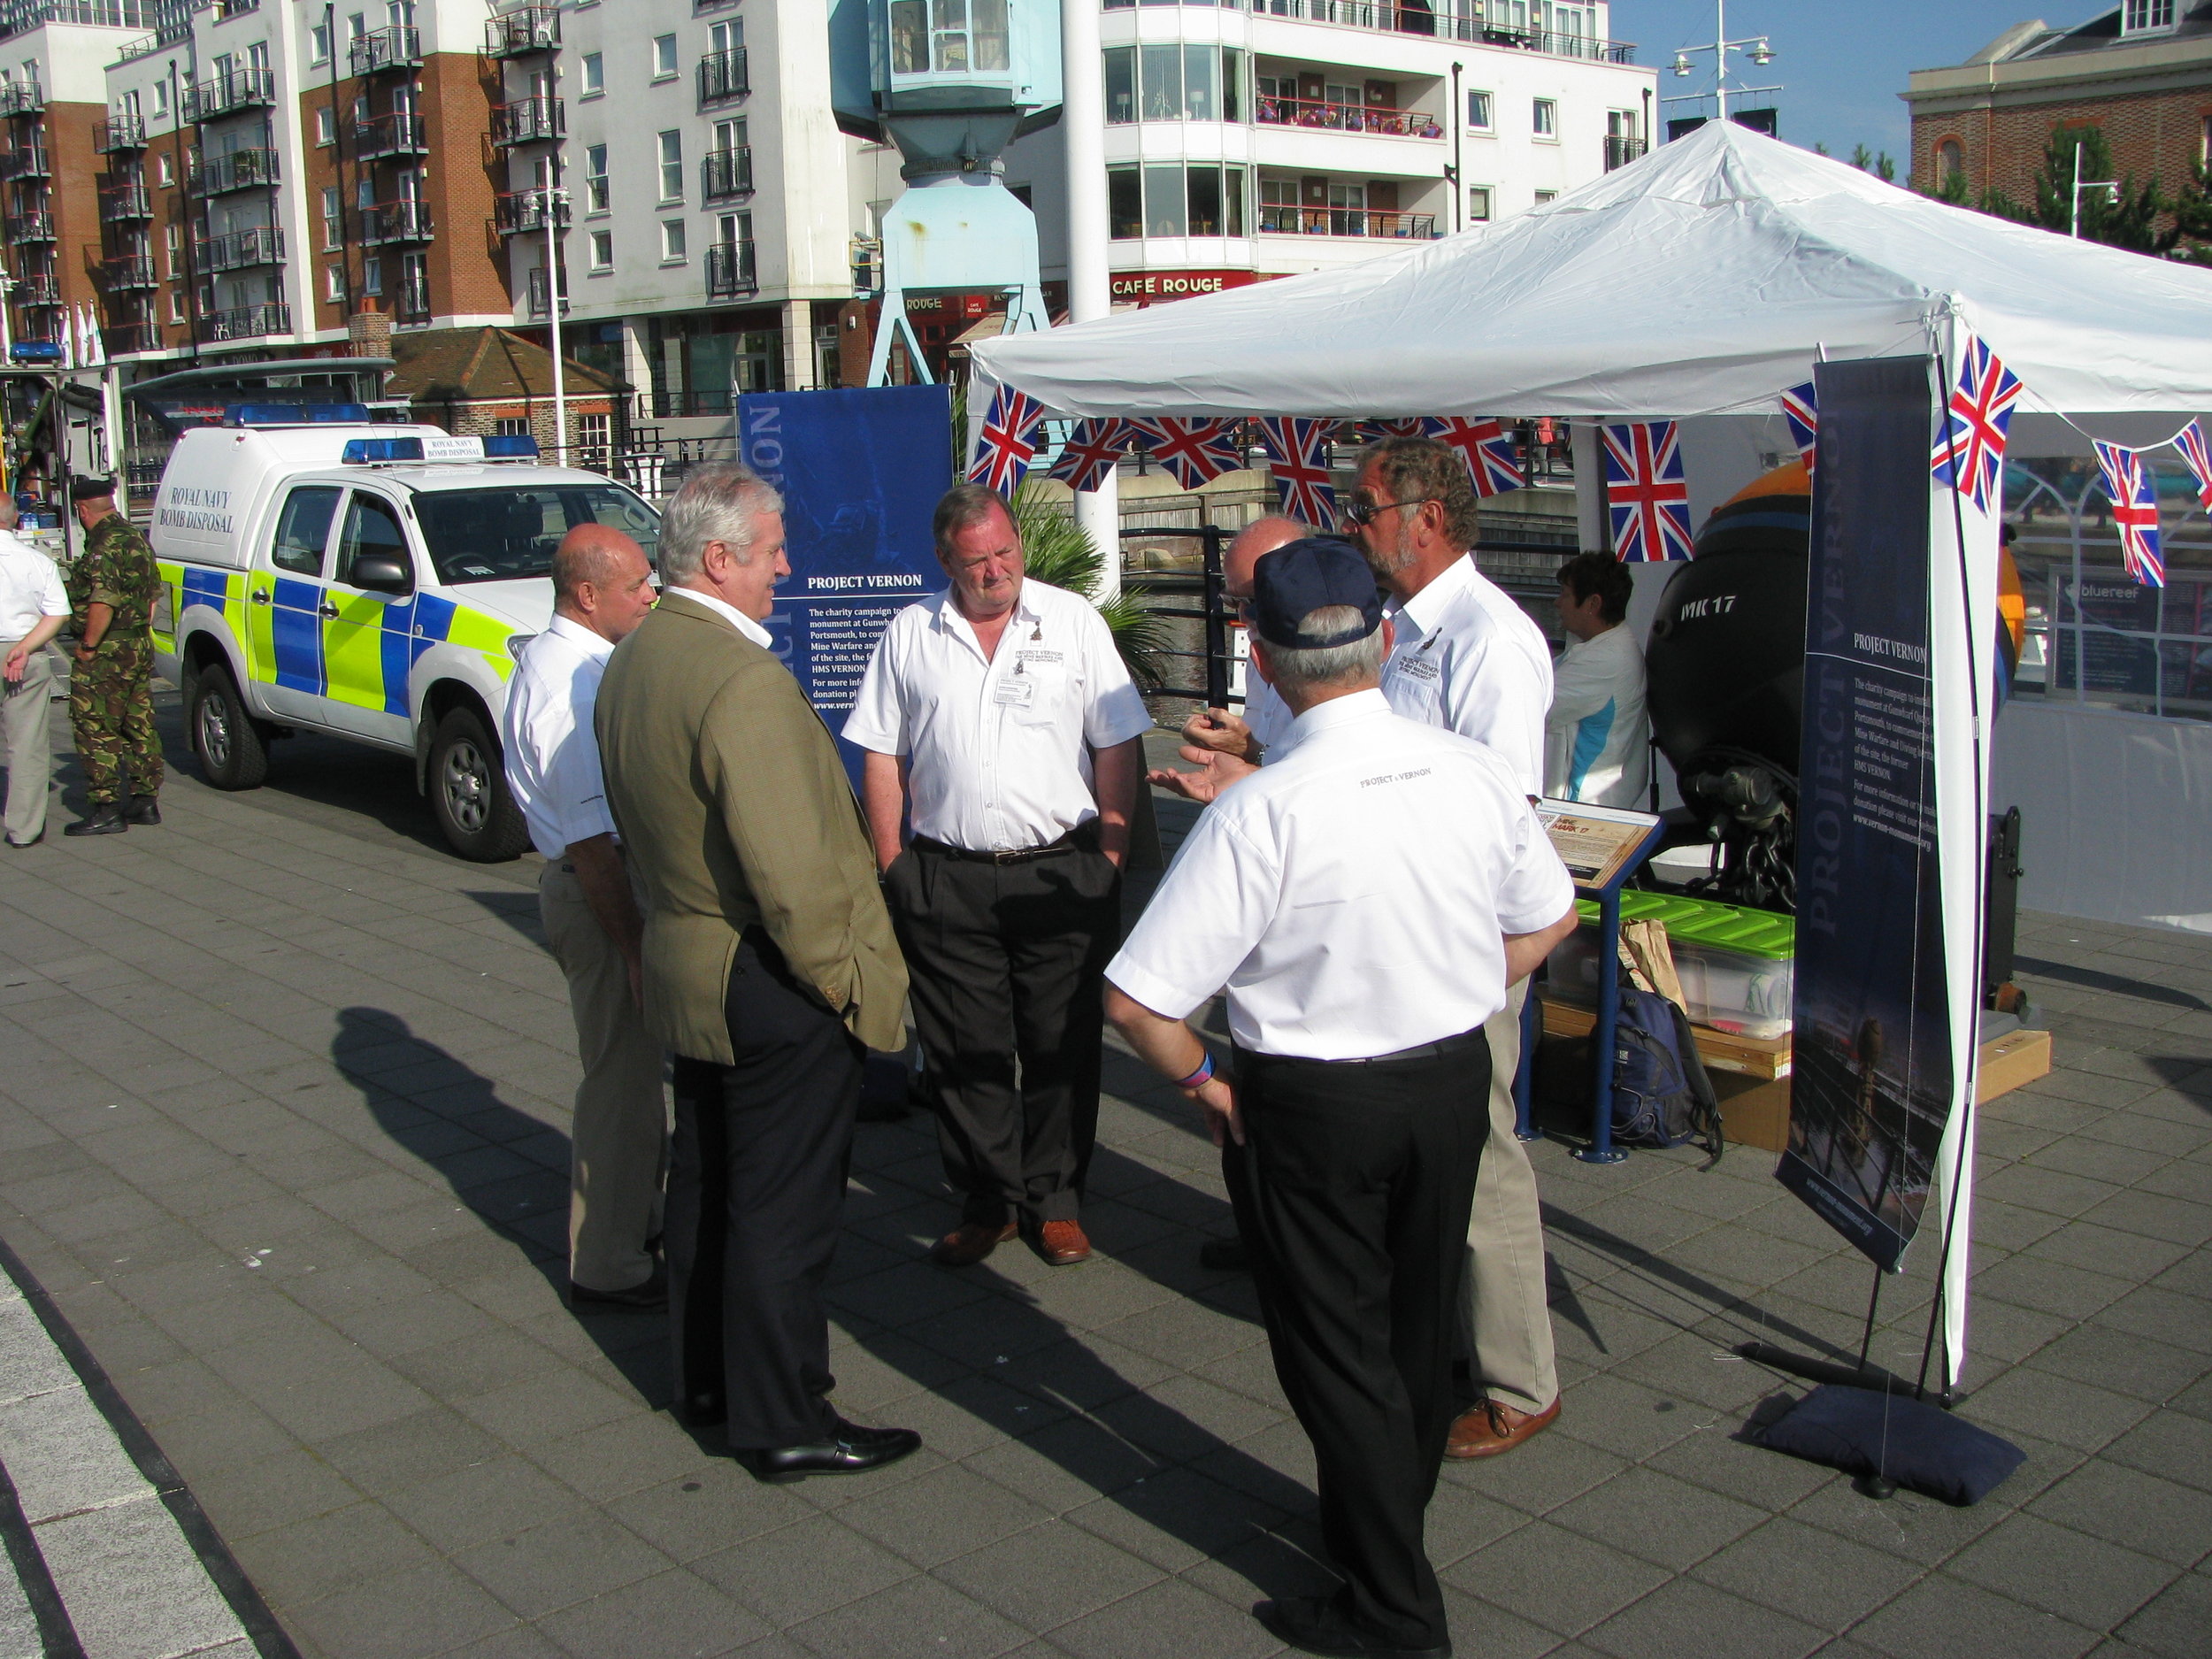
pixel 1060 553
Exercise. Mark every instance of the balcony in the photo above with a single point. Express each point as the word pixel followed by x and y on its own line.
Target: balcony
pixel 22 97
pixel 537 291
pixel 125 205
pixel 529 121
pixel 118 132
pixel 22 227
pixel 1442 21
pixel 518 34
pixel 398 133
pixel 725 173
pixel 127 273
pixel 227 94
pixel 1347 118
pixel 121 337
pixel 730 269
pixel 390 222
pixel 722 77
pixel 397 47
pixel 241 249
pixel 1620 151
pixel 38 290
pixel 246 322
pixel 232 170
pixel 1346 221
pixel 31 162
pixel 522 211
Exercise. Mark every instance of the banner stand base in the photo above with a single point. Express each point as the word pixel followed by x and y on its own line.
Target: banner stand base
pixel 1598 1155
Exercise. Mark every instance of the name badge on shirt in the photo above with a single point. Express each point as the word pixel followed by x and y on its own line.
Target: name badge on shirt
pixel 1416 665
pixel 1015 691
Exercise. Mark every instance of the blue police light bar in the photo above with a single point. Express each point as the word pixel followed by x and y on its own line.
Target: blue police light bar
pixel 363 451
pixel 517 447
pixel 35 351
pixel 295 415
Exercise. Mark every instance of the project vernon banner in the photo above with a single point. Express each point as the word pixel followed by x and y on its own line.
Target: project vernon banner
pixel 1873 1070
pixel 861 472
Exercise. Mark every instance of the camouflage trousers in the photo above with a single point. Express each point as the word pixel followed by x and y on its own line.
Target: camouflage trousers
pixel 112 713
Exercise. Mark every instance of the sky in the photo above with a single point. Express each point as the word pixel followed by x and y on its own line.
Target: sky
pixel 1841 64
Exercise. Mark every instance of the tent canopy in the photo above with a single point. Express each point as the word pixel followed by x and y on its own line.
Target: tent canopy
pixel 1700 279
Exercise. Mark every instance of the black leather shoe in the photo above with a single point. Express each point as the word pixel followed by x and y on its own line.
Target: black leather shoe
pixel 647 1298
pixel 854 1451
pixel 102 820
pixel 143 809
pixel 1225 1256
pixel 1313 1623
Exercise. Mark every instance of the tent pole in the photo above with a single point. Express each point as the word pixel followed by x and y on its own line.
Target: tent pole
pixel 1590 530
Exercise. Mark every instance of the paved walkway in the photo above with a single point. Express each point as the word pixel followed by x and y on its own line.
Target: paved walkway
pixel 282 1133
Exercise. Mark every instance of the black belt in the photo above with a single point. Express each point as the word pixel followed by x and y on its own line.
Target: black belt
pixel 1067 843
pixel 1460 1044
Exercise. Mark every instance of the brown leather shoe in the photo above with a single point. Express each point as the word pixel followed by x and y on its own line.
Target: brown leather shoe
pixel 969 1243
pixel 1062 1244
pixel 1491 1426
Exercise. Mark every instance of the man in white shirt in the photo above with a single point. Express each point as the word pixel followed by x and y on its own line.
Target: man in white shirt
pixel 603 587
pixel 1597 741
pixel 1265 721
pixel 999 716
pixel 1466 658
pixel 33 607
pixel 1366 898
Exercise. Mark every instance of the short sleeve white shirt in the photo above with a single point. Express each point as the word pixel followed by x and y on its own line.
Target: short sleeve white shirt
pixel 1468 659
pixel 1597 742
pixel 1353 895
pixel 1265 713
pixel 30 587
pixel 552 754
pixel 998 747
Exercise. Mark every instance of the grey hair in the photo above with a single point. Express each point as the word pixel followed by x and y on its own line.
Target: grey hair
pixel 717 503
pixel 1306 668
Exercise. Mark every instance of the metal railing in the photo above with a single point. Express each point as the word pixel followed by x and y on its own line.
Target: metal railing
pixel 725 173
pixel 1346 118
pixel 722 76
pixel 679 404
pixel 23 228
pixel 398 133
pixel 537 296
pixel 231 170
pixel 241 249
pixel 395 46
pixel 521 210
pixel 22 97
pixel 121 337
pixel 223 95
pixel 30 162
pixel 1620 151
pixel 37 290
pixel 122 204
pixel 1445 20
pixel 730 269
pixel 533 28
pixel 396 221
pixel 529 121
pixel 244 322
pixel 15 16
pixel 118 131
pixel 127 271
pixel 1346 221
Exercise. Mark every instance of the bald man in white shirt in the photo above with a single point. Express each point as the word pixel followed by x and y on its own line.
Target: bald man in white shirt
pixel 34 605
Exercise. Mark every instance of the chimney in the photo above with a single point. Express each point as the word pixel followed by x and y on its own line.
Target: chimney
pixel 370 332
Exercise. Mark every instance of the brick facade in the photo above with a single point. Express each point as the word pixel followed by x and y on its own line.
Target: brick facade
pixel 2152 133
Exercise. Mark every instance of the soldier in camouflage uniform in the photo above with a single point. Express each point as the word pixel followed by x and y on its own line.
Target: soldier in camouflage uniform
pixel 111 591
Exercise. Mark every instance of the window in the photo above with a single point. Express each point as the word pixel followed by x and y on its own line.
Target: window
pixel 1478 111
pixel 1124 204
pixel 161 100
pixel 672 245
pixel 594 74
pixel 364 194
pixel 504 534
pixel 1477 204
pixel 302 530
pixel 319 34
pixel 372 532
pixel 165 172
pixel 335 283
pixel 1543 197
pixel 326 125
pixel 257 59
pixel 174 241
pixel 1165 212
pixel 592 439
pixel 372 275
pixel 672 166
pixel 511 425
pixel 909 37
pixel 664 57
pixel 1950 161
pixel 1544 118
pixel 597 199
pixel 333 234
pixel 357 26
pixel 1121 85
pixel 602 251
pixel 1231 84
pixel 1171 199
pixel 176 306
pixel 2142 16
pixel 1162 68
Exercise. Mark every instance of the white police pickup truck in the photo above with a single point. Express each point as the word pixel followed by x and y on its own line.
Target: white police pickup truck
pixel 365 581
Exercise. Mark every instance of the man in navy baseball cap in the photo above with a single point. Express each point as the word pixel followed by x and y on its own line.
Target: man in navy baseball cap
pixel 1301 579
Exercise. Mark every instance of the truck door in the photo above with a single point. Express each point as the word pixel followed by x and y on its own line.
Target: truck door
pixel 286 613
pixel 368 641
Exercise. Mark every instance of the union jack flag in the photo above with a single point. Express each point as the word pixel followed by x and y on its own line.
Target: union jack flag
pixel 1302 477
pixel 2134 493
pixel 1410 427
pixel 1803 414
pixel 1008 442
pixel 1649 497
pixel 1092 449
pixel 1970 456
pixel 2194 450
pixel 1193 450
pixel 1492 463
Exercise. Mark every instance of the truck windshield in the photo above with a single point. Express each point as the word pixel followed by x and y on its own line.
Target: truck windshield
pixel 507 533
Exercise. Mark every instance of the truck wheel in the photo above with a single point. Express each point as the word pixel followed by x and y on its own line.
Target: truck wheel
pixel 232 749
pixel 468 792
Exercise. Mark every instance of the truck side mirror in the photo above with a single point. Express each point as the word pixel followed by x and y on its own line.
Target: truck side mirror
pixel 381 573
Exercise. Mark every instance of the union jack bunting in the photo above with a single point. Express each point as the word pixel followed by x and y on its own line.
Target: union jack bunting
pixel 2190 440
pixel 1193 450
pixel 1803 414
pixel 1494 464
pixel 1376 431
pixel 1302 477
pixel 1649 497
pixel 1970 456
pixel 2134 493
pixel 1092 449
pixel 1008 442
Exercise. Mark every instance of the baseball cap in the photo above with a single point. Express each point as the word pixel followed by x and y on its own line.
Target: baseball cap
pixel 1303 577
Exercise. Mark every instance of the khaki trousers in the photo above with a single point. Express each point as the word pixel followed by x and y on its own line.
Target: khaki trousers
pixel 30 745
pixel 1504 1303
pixel 619 1138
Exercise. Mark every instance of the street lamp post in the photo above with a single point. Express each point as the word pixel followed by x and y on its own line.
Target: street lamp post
pixel 1752 46
pixel 553 200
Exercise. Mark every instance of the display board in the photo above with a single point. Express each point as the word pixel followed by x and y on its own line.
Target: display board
pixel 1598 844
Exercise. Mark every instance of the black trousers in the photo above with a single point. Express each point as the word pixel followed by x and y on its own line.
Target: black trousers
pixel 1352 1192
pixel 756 1183
pixel 1006 967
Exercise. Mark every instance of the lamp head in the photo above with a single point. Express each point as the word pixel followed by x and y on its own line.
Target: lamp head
pixel 1681 62
pixel 1762 54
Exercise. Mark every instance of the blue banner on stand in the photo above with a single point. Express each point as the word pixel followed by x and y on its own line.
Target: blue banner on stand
pixel 861 472
pixel 1873 1067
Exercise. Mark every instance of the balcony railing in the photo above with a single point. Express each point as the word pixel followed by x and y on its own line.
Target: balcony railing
pixel 37 290
pixel 22 97
pixel 22 227
pixel 675 403
pixel 529 121
pixel 528 29
pixel 226 95
pixel 390 222
pixel 1620 151
pixel 225 10
pixel 398 47
pixel 413 305
pixel 722 76
pixel 1347 118
pixel 1346 221
pixel 524 211
pixel 730 269
pixel 124 203
pixel 241 249
pixel 1444 20
pixel 399 133
pixel 537 291
pixel 244 322
pixel 232 169
pixel 127 272
pixel 31 162
pixel 119 132
pixel 121 337
pixel 18 15
pixel 724 173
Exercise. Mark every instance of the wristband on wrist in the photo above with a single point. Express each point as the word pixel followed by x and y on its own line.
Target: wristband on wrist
pixel 1202 1075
